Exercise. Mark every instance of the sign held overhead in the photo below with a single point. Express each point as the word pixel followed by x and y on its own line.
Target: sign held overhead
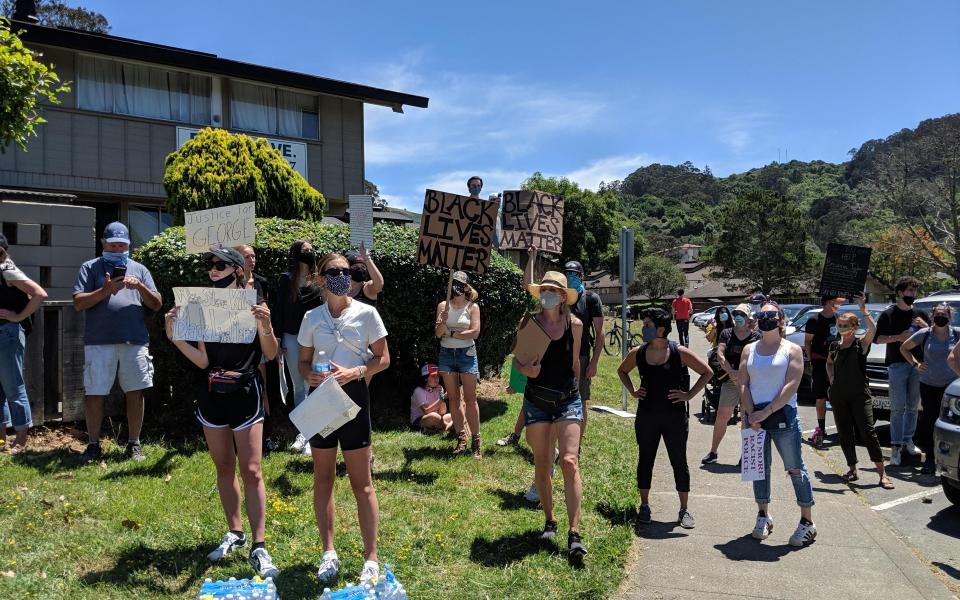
pixel 844 270
pixel 222 226
pixel 532 218
pixel 456 232
pixel 361 221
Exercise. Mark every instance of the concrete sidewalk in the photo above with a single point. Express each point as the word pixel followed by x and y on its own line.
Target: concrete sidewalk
pixel 855 555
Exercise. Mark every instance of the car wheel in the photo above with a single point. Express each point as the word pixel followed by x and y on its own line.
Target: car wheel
pixel 951 489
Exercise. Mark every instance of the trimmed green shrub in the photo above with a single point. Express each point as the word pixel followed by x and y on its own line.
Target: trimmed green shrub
pixel 219 168
pixel 407 304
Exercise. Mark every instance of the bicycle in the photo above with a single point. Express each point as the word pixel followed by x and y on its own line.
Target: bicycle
pixel 613 339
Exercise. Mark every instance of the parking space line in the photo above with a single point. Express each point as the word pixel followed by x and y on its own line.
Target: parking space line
pixel 909 498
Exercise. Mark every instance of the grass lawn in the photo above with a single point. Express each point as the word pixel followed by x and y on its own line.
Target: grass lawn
pixel 451 528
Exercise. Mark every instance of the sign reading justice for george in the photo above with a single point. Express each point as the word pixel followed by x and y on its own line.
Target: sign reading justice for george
pixel 222 226
pixel 532 218
pixel 456 232
pixel 214 315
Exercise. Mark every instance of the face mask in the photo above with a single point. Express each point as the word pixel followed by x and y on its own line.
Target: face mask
pixel 724 317
pixel 941 321
pixel 116 259
pixel 308 258
pixel 649 333
pixel 459 289
pixel 575 282
pixel 338 285
pixel 739 320
pixel 359 274
pixel 845 332
pixel 908 300
pixel 549 300
pixel 224 282
pixel 474 189
pixel 768 324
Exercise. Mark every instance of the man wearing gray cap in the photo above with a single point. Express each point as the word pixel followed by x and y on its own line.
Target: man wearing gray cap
pixel 113 290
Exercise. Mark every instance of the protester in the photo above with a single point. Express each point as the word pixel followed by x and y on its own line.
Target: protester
pixel 354 339
pixel 756 301
pixel 457 326
pixel 475 186
pixel 262 286
pixel 722 319
pixel 113 290
pixel 768 395
pixel 366 281
pixel 894 327
pixel 297 293
pixel 20 297
pixel 850 392
pixel 230 409
pixel 731 344
pixel 935 346
pixel 552 408
pixel 682 308
pixel 662 410
pixel 428 407
pixel 819 332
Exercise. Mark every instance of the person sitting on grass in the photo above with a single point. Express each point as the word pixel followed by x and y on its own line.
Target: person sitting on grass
pixel 428 406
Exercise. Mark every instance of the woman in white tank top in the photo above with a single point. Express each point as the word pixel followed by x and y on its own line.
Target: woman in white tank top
pixel 768 396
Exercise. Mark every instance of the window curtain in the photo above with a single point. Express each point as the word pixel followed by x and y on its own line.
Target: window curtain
pixel 289 108
pixel 253 107
pixel 98 82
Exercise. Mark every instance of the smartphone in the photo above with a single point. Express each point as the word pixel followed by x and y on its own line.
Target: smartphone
pixel 118 273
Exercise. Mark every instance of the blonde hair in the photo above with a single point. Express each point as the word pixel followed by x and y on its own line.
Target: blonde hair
pixel 849 317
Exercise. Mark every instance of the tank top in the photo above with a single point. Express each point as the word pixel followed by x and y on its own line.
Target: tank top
pixel 768 374
pixel 457 319
pixel 361 297
pixel 556 366
pixel 849 372
pixel 658 380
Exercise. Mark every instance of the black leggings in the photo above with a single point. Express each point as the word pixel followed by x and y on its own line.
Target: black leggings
pixel 930 400
pixel 853 415
pixel 673 427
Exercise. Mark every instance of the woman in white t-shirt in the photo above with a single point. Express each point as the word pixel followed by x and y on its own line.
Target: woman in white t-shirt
pixel 354 339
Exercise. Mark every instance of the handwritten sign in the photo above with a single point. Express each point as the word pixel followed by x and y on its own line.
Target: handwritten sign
pixel 224 226
pixel 361 221
pixel 752 467
pixel 324 411
pixel 456 232
pixel 214 315
pixel 844 270
pixel 532 218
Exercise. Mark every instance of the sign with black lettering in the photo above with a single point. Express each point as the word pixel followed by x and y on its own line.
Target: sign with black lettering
pixel 456 232
pixel 222 226
pixel 214 315
pixel 532 218
pixel 844 270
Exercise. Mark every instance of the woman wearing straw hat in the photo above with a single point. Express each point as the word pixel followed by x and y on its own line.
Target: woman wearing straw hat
pixel 552 408
pixel 457 326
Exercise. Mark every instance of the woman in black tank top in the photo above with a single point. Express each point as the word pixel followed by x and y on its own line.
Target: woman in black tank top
pixel 662 399
pixel 552 408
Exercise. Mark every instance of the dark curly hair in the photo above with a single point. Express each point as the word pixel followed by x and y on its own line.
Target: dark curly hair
pixel 660 318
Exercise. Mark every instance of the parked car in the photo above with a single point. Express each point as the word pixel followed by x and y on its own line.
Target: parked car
pixel 795 311
pixel 702 318
pixel 946 441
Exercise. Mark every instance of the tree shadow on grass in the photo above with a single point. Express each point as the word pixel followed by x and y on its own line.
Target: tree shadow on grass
pixel 749 549
pixel 177 569
pixel 513 500
pixel 491 409
pixel 506 550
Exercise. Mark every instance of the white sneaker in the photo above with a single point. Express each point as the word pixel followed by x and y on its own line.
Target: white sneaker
pixel 531 494
pixel 262 563
pixel 804 534
pixel 911 448
pixel 762 529
pixel 299 443
pixel 231 542
pixel 370 573
pixel 329 566
pixel 307 449
pixel 895 456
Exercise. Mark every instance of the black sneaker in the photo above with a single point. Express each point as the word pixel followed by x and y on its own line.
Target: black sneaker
pixel 92 453
pixel 711 457
pixel 577 549
pixel 644 514
pixel 549 530
pixel 929 468
pixel 135 452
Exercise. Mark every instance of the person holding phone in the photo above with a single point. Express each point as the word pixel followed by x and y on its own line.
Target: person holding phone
pixel 113 290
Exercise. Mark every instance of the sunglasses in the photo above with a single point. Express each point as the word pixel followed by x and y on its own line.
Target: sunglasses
pixel 768 314
pixel 336 271
pixel 218 265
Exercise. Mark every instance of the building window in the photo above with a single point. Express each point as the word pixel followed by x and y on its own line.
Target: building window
pixel 272 111
pixel 146 222
pixel 116 87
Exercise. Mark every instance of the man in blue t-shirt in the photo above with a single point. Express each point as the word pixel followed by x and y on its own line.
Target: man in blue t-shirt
pixel 113 290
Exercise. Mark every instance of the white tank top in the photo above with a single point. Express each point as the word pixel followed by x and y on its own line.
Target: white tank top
pixel 768 374
pixel 458 319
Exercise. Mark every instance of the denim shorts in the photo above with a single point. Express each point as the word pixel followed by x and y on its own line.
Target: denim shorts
pixel 571 410
pixel 457 360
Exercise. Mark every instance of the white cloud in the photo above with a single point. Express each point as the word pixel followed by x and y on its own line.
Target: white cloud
pixel 608 169
pixel 738 131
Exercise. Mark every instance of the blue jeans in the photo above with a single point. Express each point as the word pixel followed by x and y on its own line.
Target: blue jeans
pixel 904 402
pixel 571 410
pixel 458 360
pixel 788 446
pixel 13 390
pixel 291 354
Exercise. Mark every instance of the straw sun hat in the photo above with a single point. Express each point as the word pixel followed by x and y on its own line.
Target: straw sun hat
pixel 553 279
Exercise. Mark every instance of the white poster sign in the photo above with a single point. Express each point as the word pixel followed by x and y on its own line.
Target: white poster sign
pixel 361 221
pixel 294 153
pixel 214 315
pixel 752 467
pixel 222 226
pixel 324 411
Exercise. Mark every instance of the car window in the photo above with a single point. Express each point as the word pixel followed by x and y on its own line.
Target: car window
pixel 799 323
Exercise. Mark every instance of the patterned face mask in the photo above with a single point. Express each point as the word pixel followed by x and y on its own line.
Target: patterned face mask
pixel 338 285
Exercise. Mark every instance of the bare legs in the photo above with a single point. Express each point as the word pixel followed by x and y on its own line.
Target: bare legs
pixel 361 482
pixel 225 459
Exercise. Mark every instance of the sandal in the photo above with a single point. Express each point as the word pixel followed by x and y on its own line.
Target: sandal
pixel 851 476
pixel 885 483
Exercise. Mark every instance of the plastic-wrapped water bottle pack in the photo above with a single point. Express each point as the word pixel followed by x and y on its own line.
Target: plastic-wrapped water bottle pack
pixel 386 588
pixel 239 589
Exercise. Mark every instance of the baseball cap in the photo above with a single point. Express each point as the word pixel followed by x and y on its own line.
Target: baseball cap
pixel 115 233
pixel 462 277
pixel 226 254
pixel 757 299
pixel 429 369
pixel 744 309
pixel 574 266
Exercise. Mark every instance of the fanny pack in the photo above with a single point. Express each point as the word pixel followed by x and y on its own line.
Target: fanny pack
pixel 229 382
pixel 777 420
pixel 548 399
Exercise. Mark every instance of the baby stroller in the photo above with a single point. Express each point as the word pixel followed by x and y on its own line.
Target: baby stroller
pixel 711 393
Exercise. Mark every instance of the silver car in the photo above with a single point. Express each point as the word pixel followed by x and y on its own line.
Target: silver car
pixel 946 441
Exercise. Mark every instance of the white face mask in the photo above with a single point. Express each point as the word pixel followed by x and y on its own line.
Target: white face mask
pixel 549 300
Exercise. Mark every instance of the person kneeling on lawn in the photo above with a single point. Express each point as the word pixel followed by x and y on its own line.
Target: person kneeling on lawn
pixel 428 406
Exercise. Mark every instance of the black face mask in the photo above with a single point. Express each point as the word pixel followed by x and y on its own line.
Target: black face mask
pixel 308 258
pixel 941 321
pixel 359 274
pixel 768 324
pixel 908 300
pixel 459 289
pixel 224 282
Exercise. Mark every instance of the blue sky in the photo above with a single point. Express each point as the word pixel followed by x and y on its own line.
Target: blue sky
pixel 592 90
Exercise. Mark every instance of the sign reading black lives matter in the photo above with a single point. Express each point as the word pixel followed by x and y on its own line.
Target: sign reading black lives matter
pixel 456 232
pixel 844 270
pixel 532 218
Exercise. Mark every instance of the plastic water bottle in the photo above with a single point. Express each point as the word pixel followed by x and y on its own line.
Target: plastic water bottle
pixel 321 364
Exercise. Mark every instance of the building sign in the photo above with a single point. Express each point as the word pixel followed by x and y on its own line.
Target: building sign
pixel 294 153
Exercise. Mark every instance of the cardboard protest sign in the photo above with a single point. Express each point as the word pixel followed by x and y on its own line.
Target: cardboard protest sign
pixel 223 226
pixel 844 270
pixel 324 411
pixel 532 218
pixel 531 343
pixel 456 232
pixel 361 221
pixel 751 465
pixel 214 315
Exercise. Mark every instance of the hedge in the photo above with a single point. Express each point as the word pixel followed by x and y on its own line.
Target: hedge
pixel 407 302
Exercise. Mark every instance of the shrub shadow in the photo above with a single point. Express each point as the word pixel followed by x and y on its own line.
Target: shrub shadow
pixel 155 569
pixel 745 548
pixel 506 550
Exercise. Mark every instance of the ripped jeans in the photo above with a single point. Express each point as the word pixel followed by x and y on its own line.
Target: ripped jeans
pixel 788 442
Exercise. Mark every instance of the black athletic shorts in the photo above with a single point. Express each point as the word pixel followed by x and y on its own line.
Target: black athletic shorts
pixel 237 411
pixel 821 384
pixel 355 434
